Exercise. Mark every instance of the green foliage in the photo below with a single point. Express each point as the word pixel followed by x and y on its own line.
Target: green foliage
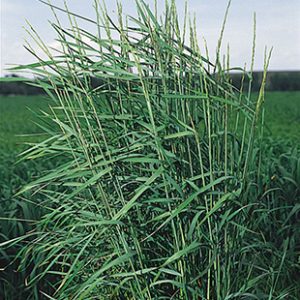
pixel 283 115
pixel 18 118
pixel 17 218
pixel 160 188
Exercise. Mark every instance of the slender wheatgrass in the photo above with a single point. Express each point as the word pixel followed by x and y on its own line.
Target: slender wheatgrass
pixel 151 199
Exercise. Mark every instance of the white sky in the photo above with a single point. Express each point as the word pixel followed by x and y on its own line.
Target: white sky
pixel 278 25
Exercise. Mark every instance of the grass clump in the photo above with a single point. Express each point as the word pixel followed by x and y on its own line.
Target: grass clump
pixel 156 195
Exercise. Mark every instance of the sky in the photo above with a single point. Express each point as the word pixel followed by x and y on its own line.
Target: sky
pixel 278 26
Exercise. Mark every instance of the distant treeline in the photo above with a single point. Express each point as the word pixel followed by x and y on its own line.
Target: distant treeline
pixel 276 81
pixel 12 85
pixel 18 87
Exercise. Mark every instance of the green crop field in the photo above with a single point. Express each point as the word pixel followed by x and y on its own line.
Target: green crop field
pixel 19 115
pixel 283 115
pixel 18 118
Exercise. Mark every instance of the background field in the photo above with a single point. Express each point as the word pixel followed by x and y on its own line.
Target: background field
pixel 18 118
pixel 19 115
pixel 283 115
